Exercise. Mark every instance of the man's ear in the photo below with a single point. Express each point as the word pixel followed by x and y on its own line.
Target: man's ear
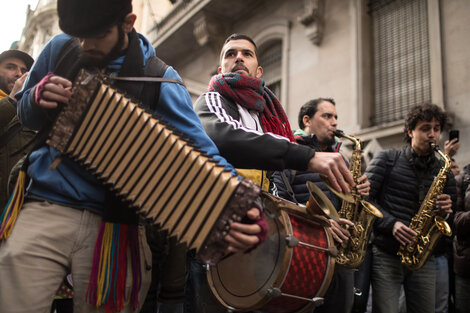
pixel 410 133
pixel 128 23
pixel 306 120
pixel 219 70
pixel 259 72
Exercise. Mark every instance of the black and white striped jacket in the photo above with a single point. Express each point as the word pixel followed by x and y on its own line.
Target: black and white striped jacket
pixel 247 146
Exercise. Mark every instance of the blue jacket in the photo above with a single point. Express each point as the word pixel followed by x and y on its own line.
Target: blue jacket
pixel 70 184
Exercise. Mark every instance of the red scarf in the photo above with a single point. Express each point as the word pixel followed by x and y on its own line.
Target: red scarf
pixel 252 93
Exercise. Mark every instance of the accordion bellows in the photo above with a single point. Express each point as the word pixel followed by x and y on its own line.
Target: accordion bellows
pixel 150 167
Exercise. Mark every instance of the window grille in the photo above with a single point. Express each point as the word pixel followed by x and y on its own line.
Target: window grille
pixel 400 56
pixel 270 58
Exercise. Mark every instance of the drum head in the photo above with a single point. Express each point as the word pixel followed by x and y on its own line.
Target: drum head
pixel 241 281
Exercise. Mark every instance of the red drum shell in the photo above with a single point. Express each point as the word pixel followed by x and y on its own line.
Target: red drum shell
pixel 242 282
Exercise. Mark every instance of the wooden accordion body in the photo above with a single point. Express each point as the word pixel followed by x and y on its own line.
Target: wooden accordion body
pixel 150 167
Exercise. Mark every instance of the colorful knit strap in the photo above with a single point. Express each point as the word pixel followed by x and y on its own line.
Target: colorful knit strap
pixel 13 207
pixel 116 245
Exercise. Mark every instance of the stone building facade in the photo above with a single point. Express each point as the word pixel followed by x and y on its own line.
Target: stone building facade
pixel 376 58
pixel 41 25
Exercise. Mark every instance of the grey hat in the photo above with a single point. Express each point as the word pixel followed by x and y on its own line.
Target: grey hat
pixel 18 54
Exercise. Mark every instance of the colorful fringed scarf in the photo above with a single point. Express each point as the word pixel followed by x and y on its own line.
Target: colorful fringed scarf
pixel 252 93
pixel 117 245
pixel 13 207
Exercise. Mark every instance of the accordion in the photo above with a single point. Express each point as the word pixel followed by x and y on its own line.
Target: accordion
pixel 150 167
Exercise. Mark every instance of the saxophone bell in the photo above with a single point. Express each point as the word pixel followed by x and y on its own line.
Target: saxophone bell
pixel 371 209
pixel 443 226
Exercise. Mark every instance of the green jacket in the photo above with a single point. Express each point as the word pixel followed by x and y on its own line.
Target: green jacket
pixel 8 119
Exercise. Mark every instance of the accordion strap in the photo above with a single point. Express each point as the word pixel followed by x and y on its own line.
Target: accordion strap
pixel 148 79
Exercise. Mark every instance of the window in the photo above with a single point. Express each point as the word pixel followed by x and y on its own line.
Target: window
pixel 401 57
pixel 270 58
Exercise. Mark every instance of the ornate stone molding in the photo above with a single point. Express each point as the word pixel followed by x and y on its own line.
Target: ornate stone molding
pixel 207 30
pixel 313 19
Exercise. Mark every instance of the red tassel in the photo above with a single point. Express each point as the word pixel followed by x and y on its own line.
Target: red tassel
pixel 107 284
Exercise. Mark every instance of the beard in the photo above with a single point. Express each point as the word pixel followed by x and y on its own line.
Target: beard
pixel 329 141
pixel 326 140
pixel 240 66
pixel 102 60
pixel 4 84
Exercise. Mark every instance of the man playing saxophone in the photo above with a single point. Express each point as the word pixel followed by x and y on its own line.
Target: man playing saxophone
pixel 413 188
pixel 318 121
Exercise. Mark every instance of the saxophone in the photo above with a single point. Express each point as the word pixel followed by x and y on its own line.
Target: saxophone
pixel 351 252
pixel 428 223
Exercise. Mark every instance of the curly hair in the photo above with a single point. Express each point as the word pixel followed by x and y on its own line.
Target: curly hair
pixel 423 112
pixel 310 108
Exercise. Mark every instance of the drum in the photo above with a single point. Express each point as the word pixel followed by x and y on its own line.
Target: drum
pixel 289 272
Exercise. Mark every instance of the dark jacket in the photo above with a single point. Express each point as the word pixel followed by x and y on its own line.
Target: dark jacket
pixel 399 195
pixel 8 155
pixel 243 147
pixel 462 225
pixel 298 179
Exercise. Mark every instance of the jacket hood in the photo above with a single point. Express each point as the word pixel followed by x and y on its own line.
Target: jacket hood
pixel 311 140
pixel 147 51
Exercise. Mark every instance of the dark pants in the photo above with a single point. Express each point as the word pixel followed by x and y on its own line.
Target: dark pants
pixel 340 295
pixel 199 297
pixel 362 283
pixel 62 306
pixel 166 293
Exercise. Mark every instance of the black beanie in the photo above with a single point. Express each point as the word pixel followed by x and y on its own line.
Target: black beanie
pixel 89 18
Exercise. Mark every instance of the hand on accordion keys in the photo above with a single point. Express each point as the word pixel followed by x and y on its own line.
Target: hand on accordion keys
pixel 244 236
pixel 52 90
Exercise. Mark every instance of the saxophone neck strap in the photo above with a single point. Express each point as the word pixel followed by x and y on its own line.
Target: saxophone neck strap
pixel 290 191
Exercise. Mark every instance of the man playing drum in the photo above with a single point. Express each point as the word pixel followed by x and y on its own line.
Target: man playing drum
pixel 251 130
pixel 318 120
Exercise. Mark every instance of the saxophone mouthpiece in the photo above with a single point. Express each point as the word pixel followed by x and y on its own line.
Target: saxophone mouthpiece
pixel 434 146
pixel 338 133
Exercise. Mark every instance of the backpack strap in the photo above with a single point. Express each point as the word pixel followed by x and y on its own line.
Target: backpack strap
pixel 150 96
pixel 67 63
pixel 392 158
pixel 292 175
pixel 290 191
